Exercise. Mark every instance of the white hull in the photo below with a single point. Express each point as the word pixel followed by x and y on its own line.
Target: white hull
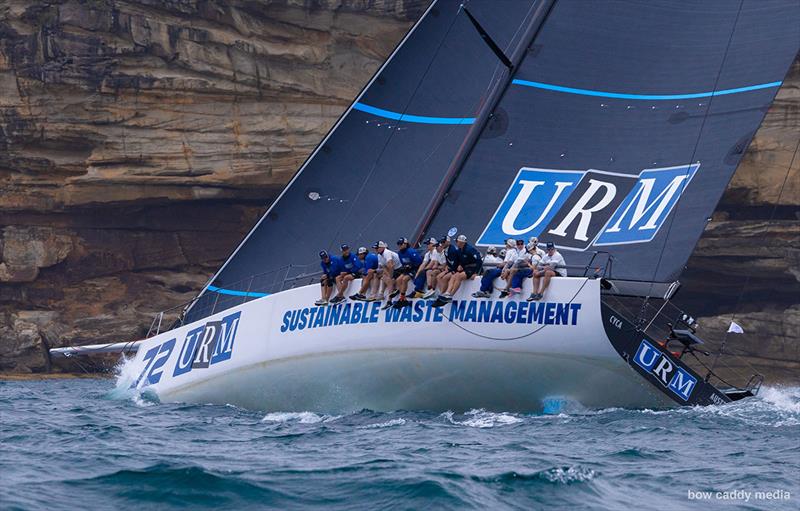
pixel 262 359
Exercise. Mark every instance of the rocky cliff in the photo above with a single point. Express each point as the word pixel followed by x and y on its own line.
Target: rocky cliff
pixel 139 141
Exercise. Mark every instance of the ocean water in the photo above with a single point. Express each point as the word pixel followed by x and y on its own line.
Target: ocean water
pixel 79 444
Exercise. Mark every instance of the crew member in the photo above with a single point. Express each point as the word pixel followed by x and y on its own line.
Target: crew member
pixel 492 268
pixel 468 265
pixel 388 262
pixel 520 261
pixel 451 255
pixel 331 268
pixel 437 266
pixel 420 280
pixel 552 265
pixel 350 272
pixel 533 260
pixel 367 270
pixel 410 261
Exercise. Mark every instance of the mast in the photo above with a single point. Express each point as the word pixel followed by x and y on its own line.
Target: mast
pixel 483 116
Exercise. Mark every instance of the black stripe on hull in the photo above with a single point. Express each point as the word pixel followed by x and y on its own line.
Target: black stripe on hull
pixel 657 365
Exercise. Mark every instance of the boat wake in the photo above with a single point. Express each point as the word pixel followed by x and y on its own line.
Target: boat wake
pixel 126 374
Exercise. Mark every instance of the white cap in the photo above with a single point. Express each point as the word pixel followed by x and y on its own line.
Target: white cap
pixel 511 243
pixel 362 250
pixel 534 240
pixel 382 244
pixel 461 238
pixel 531 245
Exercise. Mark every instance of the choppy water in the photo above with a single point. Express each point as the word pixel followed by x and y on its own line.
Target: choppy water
pixel 70 444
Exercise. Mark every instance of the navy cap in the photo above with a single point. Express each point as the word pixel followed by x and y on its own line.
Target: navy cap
pixel 345 246
pixel 550 245
pixel 444 239
pixel 323 254
pixel 520 242
pixel 401 241
pixel 376 244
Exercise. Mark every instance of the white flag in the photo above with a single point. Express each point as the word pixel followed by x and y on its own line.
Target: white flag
pixel 735 328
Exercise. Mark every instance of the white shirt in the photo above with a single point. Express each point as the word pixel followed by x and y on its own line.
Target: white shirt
pixel 522 260
pixel 438 257
pixel 492 260
pixel 511 256
pixel 386 256
pixel 554 262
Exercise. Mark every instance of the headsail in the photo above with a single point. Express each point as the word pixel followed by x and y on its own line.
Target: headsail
pixel 379 168
pixel 622 127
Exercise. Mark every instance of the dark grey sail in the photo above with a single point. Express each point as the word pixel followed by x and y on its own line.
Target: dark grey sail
pixel 615 130
pixel 621 129
pixel 381 165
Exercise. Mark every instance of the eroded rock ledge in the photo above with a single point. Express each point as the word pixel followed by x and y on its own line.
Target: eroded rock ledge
pixel 139 141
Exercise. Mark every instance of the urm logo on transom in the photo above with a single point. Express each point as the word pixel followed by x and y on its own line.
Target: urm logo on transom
pixel 580 208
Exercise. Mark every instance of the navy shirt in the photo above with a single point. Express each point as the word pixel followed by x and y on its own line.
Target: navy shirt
pixel 409 257
pixel 453 256
pixel 470 259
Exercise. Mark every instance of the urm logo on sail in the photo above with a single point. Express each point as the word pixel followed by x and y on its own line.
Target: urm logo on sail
pixel 578 209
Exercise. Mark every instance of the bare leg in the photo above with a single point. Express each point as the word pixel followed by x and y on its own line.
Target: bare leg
pixel 455 282
pixel 546 280
pixel 536 282
pixel 442 281
pixel 389 281
pixel 365 282
pixel 509 277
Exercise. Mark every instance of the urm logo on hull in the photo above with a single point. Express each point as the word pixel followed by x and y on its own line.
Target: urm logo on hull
pixel 670 375
pixel 578 209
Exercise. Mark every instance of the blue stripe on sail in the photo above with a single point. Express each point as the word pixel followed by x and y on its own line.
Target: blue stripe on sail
pixel 388 114
pixel 649 97
pixel 233 292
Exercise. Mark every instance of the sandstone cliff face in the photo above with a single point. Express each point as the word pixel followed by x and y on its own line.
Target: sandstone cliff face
pixel 139 141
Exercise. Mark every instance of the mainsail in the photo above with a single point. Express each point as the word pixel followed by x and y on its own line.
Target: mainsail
pixel 614 130
pixel 622 127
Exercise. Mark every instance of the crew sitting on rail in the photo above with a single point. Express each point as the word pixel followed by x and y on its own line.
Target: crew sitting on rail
pixel 367 270
pixel 520 261
pixel 410 261
pixel 349 272
pixel 451 256
pixel 533 260
pixel 437 267
pixel 468 264
pixel 552 264
pixel 388 263
pixel 331 268
pixel 492 268
pixel 421 276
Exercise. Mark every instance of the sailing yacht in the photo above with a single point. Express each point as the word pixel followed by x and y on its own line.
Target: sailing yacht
pixel 610 129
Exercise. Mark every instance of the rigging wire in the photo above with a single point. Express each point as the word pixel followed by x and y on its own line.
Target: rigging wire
pixel 746 284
